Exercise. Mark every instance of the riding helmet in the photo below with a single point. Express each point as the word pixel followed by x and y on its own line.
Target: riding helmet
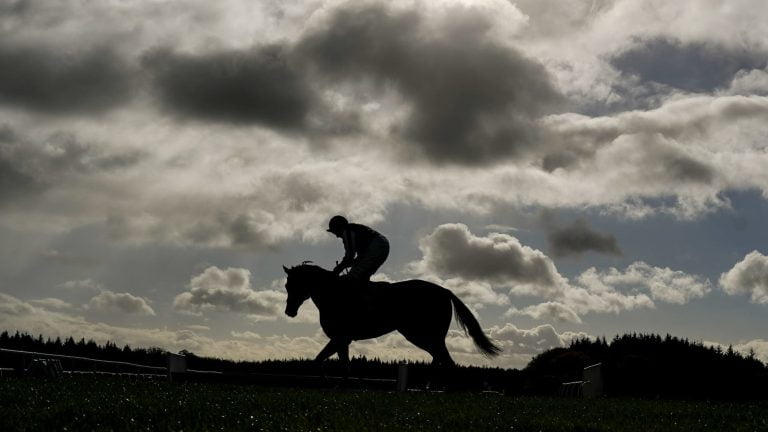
pixel 337 224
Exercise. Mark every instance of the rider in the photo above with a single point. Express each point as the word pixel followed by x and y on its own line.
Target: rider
pixel 365 249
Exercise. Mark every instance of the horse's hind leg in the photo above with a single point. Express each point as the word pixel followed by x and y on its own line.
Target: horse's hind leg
pixel 441 356
pixel 344 356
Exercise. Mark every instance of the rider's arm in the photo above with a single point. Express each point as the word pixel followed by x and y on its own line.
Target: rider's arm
pixel 348 237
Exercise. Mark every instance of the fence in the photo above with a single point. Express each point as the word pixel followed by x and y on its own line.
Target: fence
pixel 590 386
pixel 176 370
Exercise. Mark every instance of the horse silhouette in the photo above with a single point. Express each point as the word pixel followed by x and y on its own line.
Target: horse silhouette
pixel 421 311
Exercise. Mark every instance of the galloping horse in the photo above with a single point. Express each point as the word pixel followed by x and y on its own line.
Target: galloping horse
pixel 420 310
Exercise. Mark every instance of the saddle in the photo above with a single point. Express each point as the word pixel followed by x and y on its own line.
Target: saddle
pixel 356 292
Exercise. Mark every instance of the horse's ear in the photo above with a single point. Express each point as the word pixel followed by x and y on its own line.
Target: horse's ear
pixel 287 270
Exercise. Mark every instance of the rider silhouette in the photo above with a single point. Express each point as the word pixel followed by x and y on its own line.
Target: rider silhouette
pixel 365 249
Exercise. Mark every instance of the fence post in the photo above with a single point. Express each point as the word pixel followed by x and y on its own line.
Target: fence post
pixel 402 377
pixel 593 381
pixel 176 363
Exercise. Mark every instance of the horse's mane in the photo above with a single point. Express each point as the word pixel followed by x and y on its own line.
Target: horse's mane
pixel 306 268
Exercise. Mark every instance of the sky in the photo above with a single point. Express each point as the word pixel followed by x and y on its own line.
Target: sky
pixel 578 168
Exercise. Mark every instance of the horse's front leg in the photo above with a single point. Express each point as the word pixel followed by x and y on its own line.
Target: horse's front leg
pixel 332 347
pixel 343 350
pixel 326 352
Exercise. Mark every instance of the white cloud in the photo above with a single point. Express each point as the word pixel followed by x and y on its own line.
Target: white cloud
pixel 246 335
pixel 476 265
pixel 108 301
pixel 86 285
pixel 615 291
pixel 759 347
pixel 749 276
pixel 663 284
pixel 531 341
pixel 547 310
pixel 452 251
pixel 51 303
pixel 752 82
pixel 11 306
pixel 229 289
pixel 16 314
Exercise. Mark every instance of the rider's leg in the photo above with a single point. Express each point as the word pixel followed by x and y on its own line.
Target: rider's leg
pixel 371 260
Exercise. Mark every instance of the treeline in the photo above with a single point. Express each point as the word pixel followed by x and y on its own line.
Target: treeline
pixel 652 366
pixel 419 373
pixel 82 348
pixel 634 365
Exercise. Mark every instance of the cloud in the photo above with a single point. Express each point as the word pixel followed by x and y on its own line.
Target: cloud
pixel 230 290
pixel 749 82
pixel 547 310
pixel 30 166
pixel 108 301
pixel 474 266
pixel 61 81
pixel 758 347
pixel 577 238
pixel 16 314
pixel 686 150
pixel 664 284
pixel 11 306
pixel 87 285
pixel 531 341
pixel 246 335
pixel 475 293
pixel 615 291
pixel 748 276
pixel 243 86
pixel 554 18
pixel 696 66
pixel 451 250
pixel 469 100
pixel 51 303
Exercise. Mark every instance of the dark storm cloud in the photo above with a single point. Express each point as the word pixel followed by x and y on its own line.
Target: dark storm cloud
pixel 577 238
pixel 63 81
pixel 695 67
pixel 13 182
pixel 14 7
pixel 662 159
pixel 471 100
pixel 252 86
pixel 683 168
pixel 28 167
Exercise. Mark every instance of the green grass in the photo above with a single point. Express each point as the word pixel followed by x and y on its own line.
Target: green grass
pixel 89 403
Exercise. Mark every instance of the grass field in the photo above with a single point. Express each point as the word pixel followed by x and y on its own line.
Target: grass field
pixel 104 403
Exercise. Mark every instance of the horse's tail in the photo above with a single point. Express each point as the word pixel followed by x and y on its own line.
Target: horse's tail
pixel 469 324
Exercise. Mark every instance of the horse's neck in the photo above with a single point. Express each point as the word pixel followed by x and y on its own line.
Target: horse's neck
pixel 320 291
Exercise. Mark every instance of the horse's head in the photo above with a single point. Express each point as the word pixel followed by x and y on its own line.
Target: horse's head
pixel 300 279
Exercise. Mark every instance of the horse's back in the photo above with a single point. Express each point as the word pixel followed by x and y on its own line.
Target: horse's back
pixel 413 291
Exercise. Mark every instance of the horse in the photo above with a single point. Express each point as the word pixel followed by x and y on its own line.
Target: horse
pixel 421 311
